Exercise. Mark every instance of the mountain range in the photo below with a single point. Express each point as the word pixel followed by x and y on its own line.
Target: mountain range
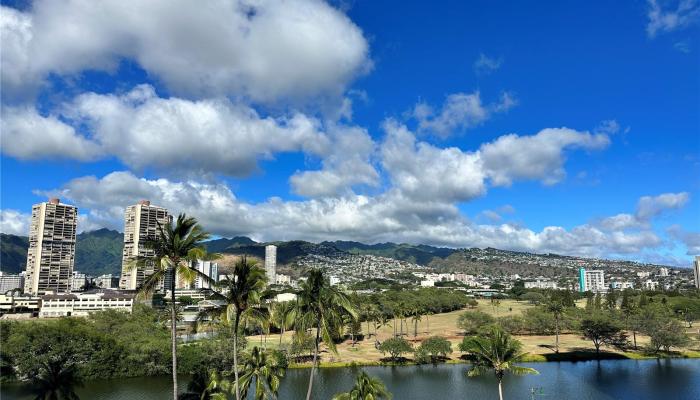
pixel 100 252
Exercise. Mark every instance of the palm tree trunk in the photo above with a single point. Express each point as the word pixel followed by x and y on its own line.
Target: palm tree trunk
pixel 556 327
pixel 281 334
pixel 634 335
pixel 173 332
pixel 427 319
pixel 237 321
pixel 313 365
pixel 500 390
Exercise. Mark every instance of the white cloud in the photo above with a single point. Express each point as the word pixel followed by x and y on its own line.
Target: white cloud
pixel 15 35
pixel 664 18
pixel 347 164
pixel 459 112
pixel 25 134
pixel 649 207
pixel 389 216
pixel 263 49
pixel 424 172
pixel 537 157
pixel 485 65
pixel 14 222
pixel 691 240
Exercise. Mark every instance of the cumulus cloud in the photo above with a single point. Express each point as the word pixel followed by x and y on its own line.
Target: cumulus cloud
pixel 175 135
pixel 537 157
pixel 424 172
pixel 347 164
pixel 14 222
pixel 459 112
pixel 651 206
pixel 485 65
pixel 25 134
pixel 388 216
pixel 664 17
pixel 264 50
pixel 691 240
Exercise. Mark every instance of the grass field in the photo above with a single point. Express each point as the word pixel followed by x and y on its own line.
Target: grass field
pixel 540 348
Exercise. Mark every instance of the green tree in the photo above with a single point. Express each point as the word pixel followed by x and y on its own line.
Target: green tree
pixel 602 329
pixel 174 249
pixel 513 324
pixel 611 299
pixel 556 309
pixel 395 347
pixel 264 370
pixel 322 306
pixel 668 333
pixel 472 321
pixel 366 388
pixel 283 316
pixel 533 297
pixel 206 385
pixel 433 349
pixel 242 291
pixel 496 352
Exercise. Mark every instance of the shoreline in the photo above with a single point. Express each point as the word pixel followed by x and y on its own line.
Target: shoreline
pixel 530 358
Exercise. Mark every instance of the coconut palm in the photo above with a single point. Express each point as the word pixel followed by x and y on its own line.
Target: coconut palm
pixel 174 250
pixel 283 316
pixel 415 317
pixel 321 306
pixel 366 388
pixel 498 352
pixel 557 310
pixel 206 385
pixel 242 292
pixel 56 381
pixel 266 370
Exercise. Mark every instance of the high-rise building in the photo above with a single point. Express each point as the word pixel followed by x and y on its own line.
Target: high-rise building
pixel 208 268
pixel 696 270
pixel 593 281
pixel 51 253
pixel 271 263
pixel 140 224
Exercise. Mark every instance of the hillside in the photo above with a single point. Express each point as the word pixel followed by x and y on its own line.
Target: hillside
pixel 96 253
pixel 418 254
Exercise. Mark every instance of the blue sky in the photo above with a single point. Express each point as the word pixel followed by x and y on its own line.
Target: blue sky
pixel 568 127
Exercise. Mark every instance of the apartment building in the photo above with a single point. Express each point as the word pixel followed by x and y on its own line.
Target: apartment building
pixel 11 281
pixel 271 263
pixel 141 223
pixel 51 253
pixel 593 281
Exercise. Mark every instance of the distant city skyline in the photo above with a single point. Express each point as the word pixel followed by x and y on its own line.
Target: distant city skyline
pixel 570 129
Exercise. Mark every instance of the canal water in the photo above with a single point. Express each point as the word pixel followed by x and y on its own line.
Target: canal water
pixel 677 379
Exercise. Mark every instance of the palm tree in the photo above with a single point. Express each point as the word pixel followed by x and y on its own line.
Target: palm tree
pixel 56 381
pixel 174 249
pixel 206 385
pixel 322 306
pixel 366 388
pixel 496 351
pixel 416 317
pixel 368 312
pixel 557 310
pixel 242 292
pixel 266 369
pixel 283 316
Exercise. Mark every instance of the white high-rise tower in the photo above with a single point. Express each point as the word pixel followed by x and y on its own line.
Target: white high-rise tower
pixel 51 253
pixel 140 223
pixel 271 264
pixel 696 270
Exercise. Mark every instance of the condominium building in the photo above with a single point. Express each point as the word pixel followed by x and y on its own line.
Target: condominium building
pixel 696 271
pixel 541 284
pixel 593 281
pixel 11 281
pixel 107 281
pixel 140 224
pixel 51 253
pixel 271 263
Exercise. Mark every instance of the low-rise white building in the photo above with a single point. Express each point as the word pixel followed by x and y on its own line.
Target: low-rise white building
pixel 541 284
pixel 79 282
pixel 107 281
pixel 23 303
pixel 650 285
pixel 81 304
pixel 281 279
pixel 620 285
pixel 427 283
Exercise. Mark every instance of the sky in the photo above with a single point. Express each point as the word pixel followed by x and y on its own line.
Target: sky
pixel 556 126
